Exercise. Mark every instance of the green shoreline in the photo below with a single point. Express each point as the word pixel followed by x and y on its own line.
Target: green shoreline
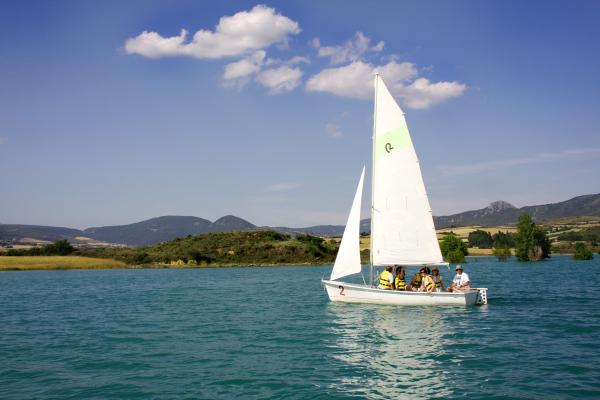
pixel 56 263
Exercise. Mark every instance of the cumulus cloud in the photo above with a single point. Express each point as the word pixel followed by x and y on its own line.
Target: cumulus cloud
pixel 351 50
pixel 238 73
pixel 280 80
pixel 423 94
pixel 234 35
pixel 355 80
pixel 486 166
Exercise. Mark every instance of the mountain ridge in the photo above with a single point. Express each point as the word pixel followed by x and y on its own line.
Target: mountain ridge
pixel 168 227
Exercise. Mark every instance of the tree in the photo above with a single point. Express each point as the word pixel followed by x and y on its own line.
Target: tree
pixel 59 248
pixel 532 243
pixel 502 253
pixel 481 239
pixel 582 252
pixel 503 239
pixel 453 249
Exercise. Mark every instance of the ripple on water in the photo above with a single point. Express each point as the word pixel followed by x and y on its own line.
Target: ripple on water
pixel 241 333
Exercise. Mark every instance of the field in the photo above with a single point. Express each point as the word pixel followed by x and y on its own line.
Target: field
pixel 463 231
pixel 26 263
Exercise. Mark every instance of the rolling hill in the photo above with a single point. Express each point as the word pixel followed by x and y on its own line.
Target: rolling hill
pixel 166 228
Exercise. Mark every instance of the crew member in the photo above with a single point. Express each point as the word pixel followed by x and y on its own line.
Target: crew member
pixel 428 284
pixel 439 285
pixel 386 279
pixel 461 281
pixel 400 280
pixel 415 283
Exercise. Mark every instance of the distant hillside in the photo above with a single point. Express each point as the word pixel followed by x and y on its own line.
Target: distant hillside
pixel 502 213
pixel 496 214
pixel 165 228
pixel 227 248
pixel 8 232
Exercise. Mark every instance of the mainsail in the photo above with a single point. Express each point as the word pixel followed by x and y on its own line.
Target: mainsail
pixel 402 230
pixel 347 261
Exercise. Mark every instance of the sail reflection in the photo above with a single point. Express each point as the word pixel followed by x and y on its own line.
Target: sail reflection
pixel 388 352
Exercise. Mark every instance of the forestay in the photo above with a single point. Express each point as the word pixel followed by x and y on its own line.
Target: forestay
pixel 347 261
pixel 402 230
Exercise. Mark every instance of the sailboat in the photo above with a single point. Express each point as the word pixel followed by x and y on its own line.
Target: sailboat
pixel 402 229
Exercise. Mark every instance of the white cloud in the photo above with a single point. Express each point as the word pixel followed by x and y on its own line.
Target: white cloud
pixel 507 163
pixel 282 187
pixel 234 35
pixel 238 73
pixel 423 94
pixel 333 130
pixel 349 51
pixel 2 140
pixel 356 79
pixel 280 80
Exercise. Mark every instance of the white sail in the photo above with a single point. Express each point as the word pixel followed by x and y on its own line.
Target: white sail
pixel 347 261
pixel 402 230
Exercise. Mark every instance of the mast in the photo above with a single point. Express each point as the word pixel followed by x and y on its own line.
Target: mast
pixel 373 180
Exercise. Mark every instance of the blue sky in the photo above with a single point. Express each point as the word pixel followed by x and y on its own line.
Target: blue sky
pixel 110 115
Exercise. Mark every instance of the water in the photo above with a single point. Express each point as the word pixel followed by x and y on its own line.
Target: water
pixel 272 333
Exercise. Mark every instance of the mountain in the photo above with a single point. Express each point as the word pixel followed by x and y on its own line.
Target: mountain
pixel 503 213
pixel 166 228
pixel 231 223
pixel 38 232
pixel 497 213
pixel 151 231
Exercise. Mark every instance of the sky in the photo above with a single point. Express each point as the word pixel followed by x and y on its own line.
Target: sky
pixel 114 112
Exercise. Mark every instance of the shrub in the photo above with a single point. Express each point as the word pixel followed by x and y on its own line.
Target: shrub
pixel 453 249
pixel 481 239
pixel 502 253
pixel 582 252
pixel 532 243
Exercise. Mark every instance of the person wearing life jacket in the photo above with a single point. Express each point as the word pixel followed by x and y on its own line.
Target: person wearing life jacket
pixel 427 285
pixel 400 280
pixel 386 279
pixel 415 283
pixel 437 279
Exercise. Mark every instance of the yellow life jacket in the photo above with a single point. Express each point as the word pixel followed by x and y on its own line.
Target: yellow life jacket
pixel 417 281
pixel 429 284
pixel 438 281
pixel 400 283
pixel 384 280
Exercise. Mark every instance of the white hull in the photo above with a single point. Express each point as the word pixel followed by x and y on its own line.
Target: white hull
pixel 356 293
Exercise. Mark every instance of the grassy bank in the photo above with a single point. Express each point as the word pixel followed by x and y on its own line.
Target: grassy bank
pixel 27 263
pixel 231 248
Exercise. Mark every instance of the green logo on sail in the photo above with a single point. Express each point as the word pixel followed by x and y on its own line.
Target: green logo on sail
pixel 390 141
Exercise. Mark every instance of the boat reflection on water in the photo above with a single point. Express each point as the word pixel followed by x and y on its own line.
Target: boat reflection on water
pixel 388 352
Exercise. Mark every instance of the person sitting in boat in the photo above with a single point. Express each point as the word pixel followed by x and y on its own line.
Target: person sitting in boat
pixel 386 279
pixel 437 279
pixel 400 280
pixel 461 281
pixel 415 283
pixel 427 285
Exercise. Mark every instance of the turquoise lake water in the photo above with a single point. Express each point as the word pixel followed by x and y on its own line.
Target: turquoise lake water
pixel 272 333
